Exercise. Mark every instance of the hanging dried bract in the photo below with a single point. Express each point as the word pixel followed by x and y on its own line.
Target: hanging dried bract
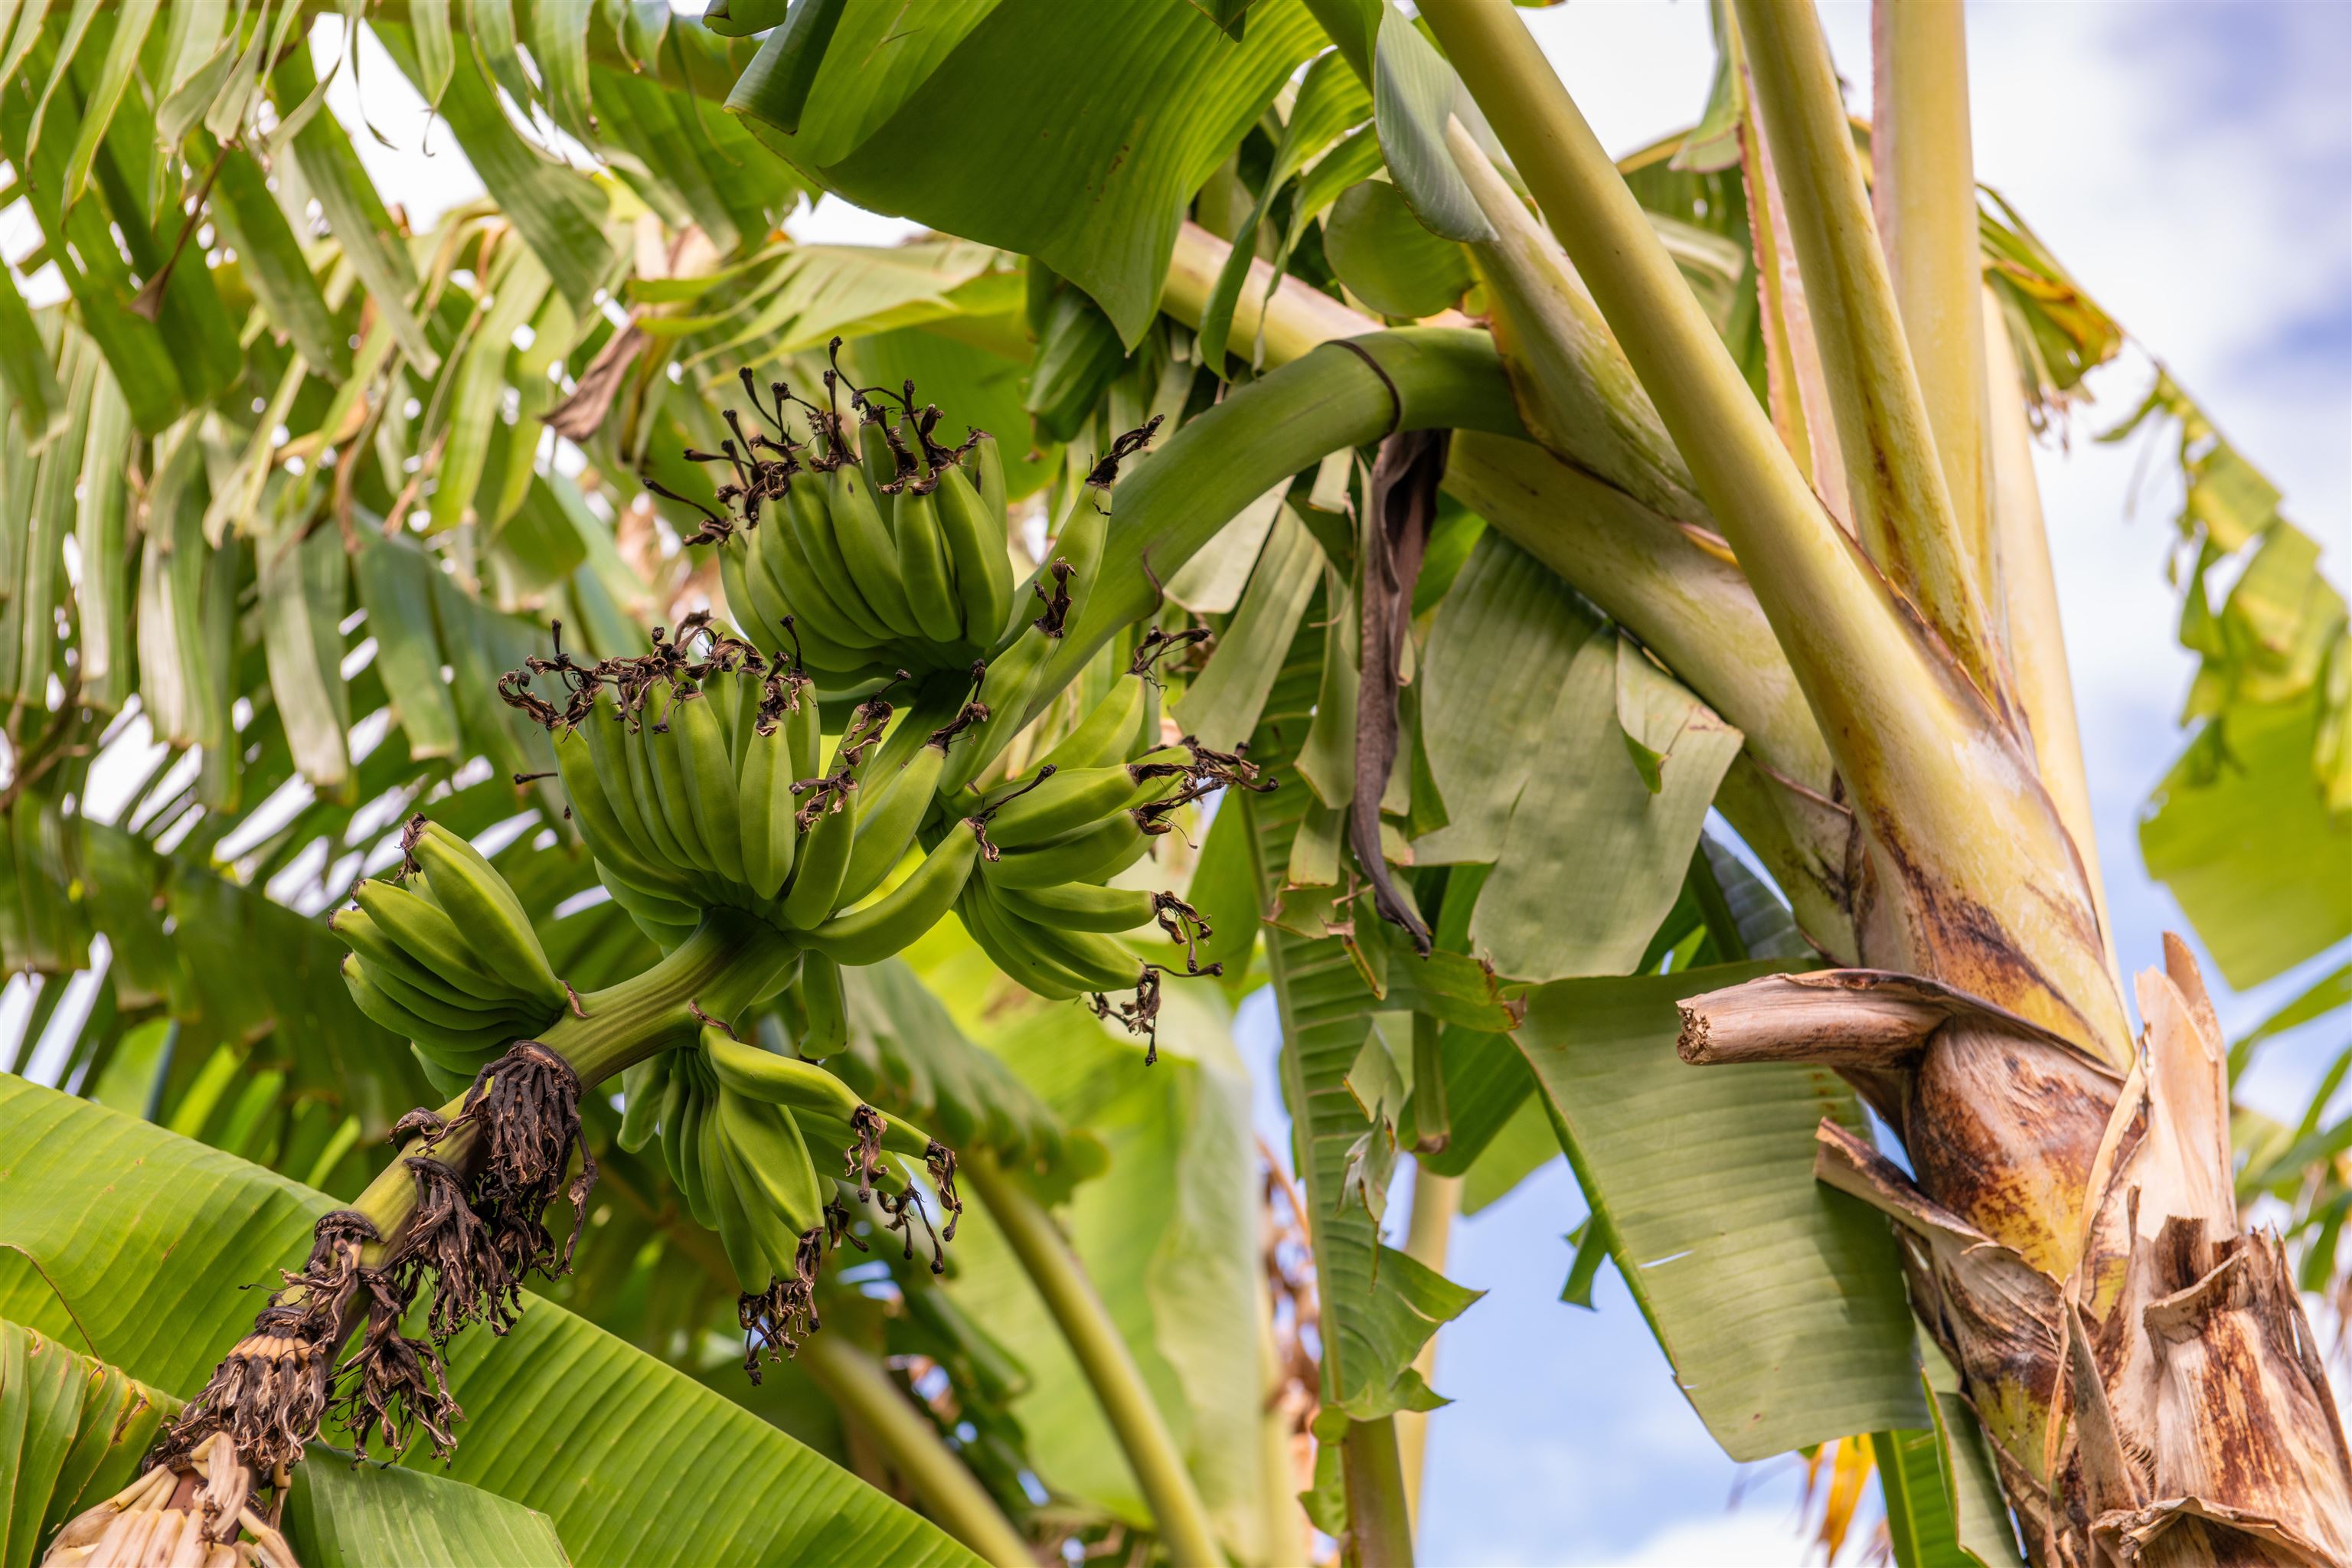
pixel 392 1384
pixel 270 1392
pixel 526 1109
pixel 470 1277
pixel 776 1320
pixel 864 1158
pixel 940 1162
pixel 191 1510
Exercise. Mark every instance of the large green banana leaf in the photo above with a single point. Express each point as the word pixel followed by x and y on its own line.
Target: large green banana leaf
pixel 73 1429
pixel 1073 133
pixel 118 1235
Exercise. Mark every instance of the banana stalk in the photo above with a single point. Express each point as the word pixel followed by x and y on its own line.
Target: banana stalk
pixel 2140 1366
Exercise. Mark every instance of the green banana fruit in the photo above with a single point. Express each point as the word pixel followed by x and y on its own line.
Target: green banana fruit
pixel 826 1004
pixel 665 752
pixel 1092 855
pixel 870 934
pixel 887 821
pixel 1106 733
pixel 701 747
pixel 1005 690
pixel 867 547
pixel 642 1087
pixel 923 566
pixel 487 912
pixel 1081 906
pixel 974 534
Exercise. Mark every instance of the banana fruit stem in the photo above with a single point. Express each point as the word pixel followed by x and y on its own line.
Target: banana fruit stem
pixel 732 959
pixel 1109 1366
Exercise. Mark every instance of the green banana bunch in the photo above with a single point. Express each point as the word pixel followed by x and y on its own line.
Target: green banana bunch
pixel 694 776
pixel 747 1134
pixel 449 961
pixel 882 550
pixel 1039 904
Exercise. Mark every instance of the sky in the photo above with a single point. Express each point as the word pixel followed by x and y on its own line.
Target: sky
pixel 2192 164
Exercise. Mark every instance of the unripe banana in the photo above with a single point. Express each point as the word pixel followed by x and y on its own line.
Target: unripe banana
pixel 900 917
pixel 817 554
pixel 923 565
pixel 730 1216
pixel 488 914
pixel 609 751
pixel 1101 962
pixel 665 752
pixel 643 1087
pixel 1106 733
pixel 357 930
pixel 1079 544
pixel 822 635
pixel 985 921
pixel 974 534
pixel 600 820
pixel 1094 855
pixel 764 1075
pixel 772 1154
pixel 666 920
pixel 991 459
pixel 878 453
pixel 827 1005
pixel 682 1142
pixel 757 1141
pixel 824 856
pixel 1059 803
pixel 887 819
pixel 428 935
pixel 741 19
pixel 371 1000
pixel 866 548
pixel 709 777
pixel 764 790
pixel 1081 906
pixel 1005 690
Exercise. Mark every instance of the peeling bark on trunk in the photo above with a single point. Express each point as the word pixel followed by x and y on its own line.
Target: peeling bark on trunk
pixel 2141 1365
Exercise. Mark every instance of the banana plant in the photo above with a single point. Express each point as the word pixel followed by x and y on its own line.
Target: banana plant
pixel 546 669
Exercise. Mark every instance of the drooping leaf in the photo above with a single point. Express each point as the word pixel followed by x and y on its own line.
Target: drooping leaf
pixel 1384 256
pixel 1505 611
pixel 395 586
pixel 1779 1301
pixel 1116 112
pixel 2237 831
pixel 558 211
pixel 1414 92
pixel 1586 803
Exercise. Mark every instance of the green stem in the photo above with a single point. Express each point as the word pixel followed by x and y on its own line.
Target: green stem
pixel 1379 1520
pixel 731 961
pixel 1436 1200
pixel 1975 882
pixel 1109 1366
pixel 1895 481
pixel 1428 378
pixel 860 1388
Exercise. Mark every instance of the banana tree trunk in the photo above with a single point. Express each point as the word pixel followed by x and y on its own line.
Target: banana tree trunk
pixel 2140 1365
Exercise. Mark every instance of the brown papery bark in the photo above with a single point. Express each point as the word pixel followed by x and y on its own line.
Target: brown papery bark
pixel 2141 1363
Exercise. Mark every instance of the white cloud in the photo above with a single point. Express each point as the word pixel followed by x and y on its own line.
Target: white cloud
pixel 1741 1540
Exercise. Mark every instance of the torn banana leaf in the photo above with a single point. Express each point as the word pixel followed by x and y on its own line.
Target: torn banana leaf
pixel 1780 1303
